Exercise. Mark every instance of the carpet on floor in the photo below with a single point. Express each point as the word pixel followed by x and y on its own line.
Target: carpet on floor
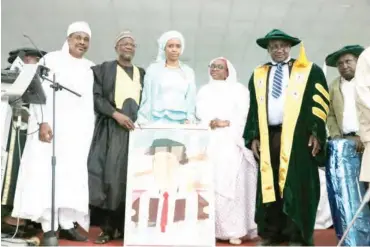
pixel 322 238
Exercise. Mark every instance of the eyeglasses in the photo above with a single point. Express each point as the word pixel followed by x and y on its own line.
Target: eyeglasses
pixel 216 66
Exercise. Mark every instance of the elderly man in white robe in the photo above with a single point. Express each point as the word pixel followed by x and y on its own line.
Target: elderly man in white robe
pixel 362 84
pixel 223 105
pixel 74 118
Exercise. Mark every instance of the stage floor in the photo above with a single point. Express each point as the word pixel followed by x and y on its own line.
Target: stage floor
pixel 322 238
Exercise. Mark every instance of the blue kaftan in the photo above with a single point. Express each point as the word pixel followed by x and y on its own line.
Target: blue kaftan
pixel 168 95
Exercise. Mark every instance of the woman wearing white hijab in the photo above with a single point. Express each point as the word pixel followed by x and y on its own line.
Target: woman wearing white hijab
pixel 73 131
pixel 223 105
pixel 169 85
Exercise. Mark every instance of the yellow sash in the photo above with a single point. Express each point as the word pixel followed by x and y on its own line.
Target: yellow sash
pixel 293 101
pixel 126 87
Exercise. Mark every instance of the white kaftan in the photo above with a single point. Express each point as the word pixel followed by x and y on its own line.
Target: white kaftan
pixel 362 81
pixel 235 170
pixel 73 134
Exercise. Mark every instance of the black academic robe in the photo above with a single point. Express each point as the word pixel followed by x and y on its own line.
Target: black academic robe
pixel 107 162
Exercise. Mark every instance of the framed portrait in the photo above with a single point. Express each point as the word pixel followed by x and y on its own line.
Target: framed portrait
pixel 170 191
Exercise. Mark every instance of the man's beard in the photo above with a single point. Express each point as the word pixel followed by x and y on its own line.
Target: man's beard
pixel 127 57
pixel 348 77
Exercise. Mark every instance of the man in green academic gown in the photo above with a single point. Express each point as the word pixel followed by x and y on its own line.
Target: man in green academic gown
pixel 286 131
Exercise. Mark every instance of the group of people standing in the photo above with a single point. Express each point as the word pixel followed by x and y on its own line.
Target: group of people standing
pixel 267 140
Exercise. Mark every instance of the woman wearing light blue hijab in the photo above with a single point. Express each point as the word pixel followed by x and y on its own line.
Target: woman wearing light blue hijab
pixel 169 85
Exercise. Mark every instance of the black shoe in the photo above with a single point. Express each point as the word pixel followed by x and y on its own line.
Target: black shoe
pixel 295 243
pixel 268 242
pixel 22 231
pixel 8 229
pixel 118 234
pixel 72 234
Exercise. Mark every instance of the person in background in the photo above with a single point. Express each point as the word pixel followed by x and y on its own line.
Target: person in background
pixel 117 94
pixel 74 128
pixel 30 55
pixel 362 84
pixel 15 148
pixel 286 130
pixel 169 85
pixel 223 105
pixel 342 119
pixel 345 149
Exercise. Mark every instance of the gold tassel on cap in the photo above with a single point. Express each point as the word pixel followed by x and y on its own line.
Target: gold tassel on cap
pixel 302 58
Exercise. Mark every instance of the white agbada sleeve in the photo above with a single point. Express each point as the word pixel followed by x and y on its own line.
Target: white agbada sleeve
pixel 43 113
pixel 362 79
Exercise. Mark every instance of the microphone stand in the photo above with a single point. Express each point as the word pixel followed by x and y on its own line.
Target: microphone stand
pixel 53 240
pixel 365 200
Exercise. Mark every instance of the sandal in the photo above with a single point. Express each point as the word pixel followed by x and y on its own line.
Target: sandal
pixel 235 241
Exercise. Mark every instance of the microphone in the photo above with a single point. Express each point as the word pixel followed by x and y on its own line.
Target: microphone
pixel 35 46
pixel 45 70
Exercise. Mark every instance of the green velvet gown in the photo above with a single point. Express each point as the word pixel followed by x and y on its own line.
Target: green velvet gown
pixel 300 185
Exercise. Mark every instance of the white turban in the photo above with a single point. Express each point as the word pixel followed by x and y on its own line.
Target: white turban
pixel 79 26
pixel 162 42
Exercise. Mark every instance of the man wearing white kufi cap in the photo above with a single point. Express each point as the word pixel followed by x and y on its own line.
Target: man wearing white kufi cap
pixel 73 131
pixel 117 94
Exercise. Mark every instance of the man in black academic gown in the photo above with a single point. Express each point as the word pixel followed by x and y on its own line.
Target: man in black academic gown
pixel 117 94
pixel 15 144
